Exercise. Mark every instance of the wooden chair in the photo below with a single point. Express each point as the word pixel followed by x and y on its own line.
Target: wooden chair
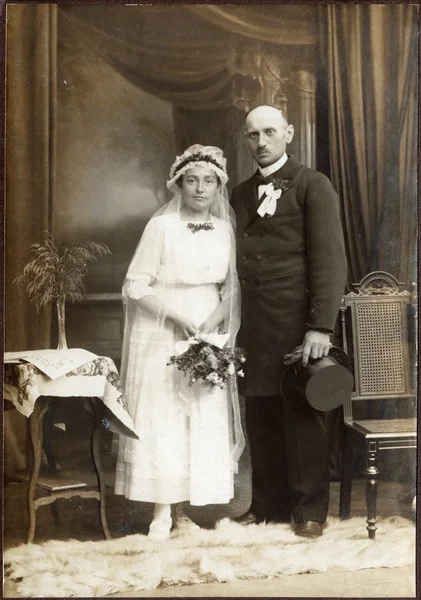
pixel 374 318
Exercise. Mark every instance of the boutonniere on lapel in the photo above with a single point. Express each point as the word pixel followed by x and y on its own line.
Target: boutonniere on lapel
pixel 271 196
pixel 281 184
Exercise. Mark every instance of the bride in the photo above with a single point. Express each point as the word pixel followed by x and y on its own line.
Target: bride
pixel 181 282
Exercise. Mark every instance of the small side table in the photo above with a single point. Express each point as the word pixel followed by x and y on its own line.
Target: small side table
pixel 67 488
pixel 33 393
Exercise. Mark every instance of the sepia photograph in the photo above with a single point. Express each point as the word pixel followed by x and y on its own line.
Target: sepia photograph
pixel 210 299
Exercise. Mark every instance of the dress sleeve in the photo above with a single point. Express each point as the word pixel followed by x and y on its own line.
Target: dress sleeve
pixel 231 285
pixel 145 263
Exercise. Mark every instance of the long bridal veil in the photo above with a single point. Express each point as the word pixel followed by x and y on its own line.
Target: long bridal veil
pixel 146 262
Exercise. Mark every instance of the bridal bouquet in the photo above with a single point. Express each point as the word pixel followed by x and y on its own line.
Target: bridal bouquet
pixel 205 358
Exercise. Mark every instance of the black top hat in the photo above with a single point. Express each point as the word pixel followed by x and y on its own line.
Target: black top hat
pixel 325 383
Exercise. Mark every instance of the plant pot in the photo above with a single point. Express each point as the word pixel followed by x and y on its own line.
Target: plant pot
pixel 61 306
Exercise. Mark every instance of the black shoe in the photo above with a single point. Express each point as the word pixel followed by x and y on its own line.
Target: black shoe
pixel 248 519
pixel 309 529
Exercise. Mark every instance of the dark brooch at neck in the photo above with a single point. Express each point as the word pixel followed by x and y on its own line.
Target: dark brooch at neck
pixel 195 227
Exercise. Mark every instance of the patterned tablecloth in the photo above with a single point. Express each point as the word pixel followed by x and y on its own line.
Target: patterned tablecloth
pixel 24 383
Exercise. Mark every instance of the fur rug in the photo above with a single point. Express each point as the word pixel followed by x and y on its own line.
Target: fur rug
pixel 227 553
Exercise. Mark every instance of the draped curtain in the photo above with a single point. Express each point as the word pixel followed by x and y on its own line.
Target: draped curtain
pixel 164 50
pixel 196 57
pixel 373 83
pixel 30 126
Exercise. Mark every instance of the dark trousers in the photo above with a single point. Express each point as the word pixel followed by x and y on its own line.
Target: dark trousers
pixel 289 458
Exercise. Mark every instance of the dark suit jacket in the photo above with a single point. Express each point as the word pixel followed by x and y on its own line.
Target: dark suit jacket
pixel 292 270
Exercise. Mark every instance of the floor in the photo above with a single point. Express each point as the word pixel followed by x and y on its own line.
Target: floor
pixel 379 583
pixel 79 520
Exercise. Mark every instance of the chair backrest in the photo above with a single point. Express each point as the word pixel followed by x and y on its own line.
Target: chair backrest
pixel 378 308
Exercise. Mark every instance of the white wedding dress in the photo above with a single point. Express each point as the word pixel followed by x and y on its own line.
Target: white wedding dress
pixel 183 451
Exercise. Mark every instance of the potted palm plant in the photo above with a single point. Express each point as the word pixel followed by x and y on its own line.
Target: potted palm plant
pixel 55 273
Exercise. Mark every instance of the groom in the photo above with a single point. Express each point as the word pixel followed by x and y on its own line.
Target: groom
pixel 292 270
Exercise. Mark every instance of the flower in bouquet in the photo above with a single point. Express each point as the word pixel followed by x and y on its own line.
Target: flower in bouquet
pixel 206 358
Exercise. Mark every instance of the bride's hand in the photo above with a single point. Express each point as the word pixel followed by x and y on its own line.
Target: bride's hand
pixel 186 327
pixel 207 327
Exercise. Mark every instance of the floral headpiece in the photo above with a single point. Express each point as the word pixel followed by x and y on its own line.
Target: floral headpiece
pixel 197 155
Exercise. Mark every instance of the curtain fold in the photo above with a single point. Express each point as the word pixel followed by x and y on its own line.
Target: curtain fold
pixel 372 117
pixel 408 148
pixel 274 24
pixel 30 159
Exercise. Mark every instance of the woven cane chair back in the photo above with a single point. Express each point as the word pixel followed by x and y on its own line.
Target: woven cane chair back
pixel 378 308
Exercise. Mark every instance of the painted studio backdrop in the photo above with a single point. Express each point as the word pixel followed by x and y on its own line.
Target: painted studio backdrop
pixel 101 98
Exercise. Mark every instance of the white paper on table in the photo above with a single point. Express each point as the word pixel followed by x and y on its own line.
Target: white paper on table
pixel 53 363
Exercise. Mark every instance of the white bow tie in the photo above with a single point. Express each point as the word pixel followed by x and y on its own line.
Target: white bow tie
pixel 270 200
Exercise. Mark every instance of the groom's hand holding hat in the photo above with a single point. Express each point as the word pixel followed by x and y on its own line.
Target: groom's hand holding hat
pixel 325 383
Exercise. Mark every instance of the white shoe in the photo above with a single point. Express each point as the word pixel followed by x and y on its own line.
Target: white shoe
pixel 159 530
